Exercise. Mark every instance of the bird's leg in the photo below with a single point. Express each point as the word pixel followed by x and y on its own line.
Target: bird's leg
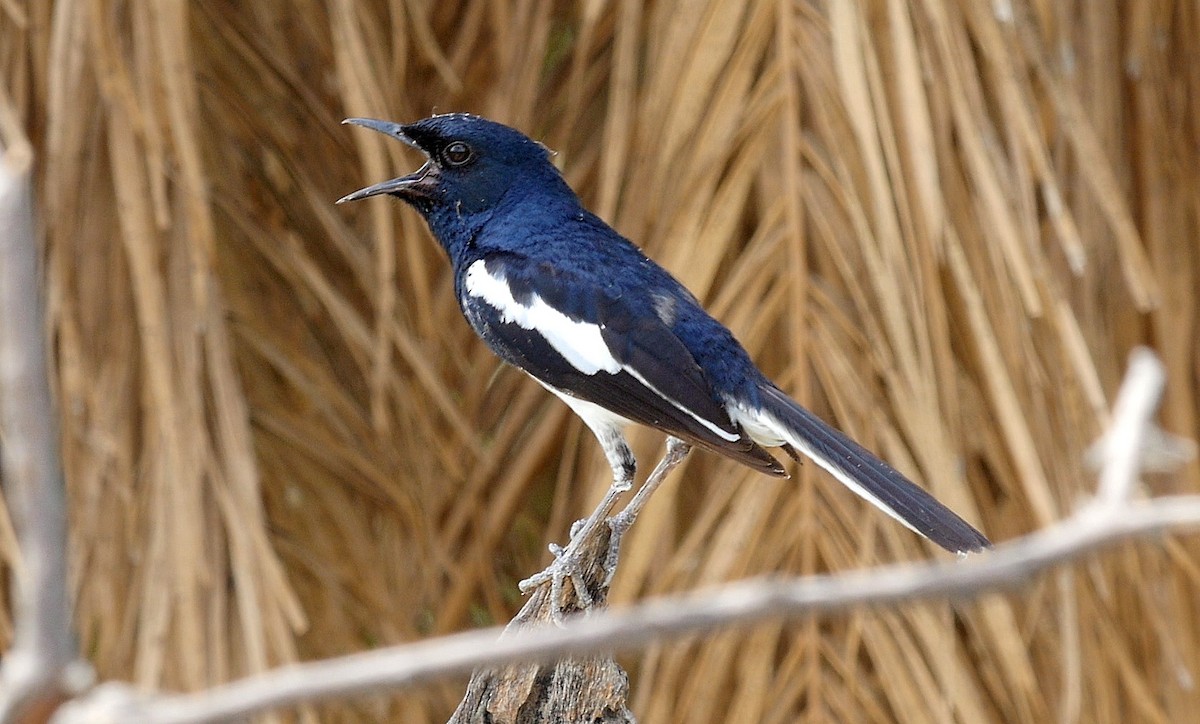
pixel 567 562
pixel 619 524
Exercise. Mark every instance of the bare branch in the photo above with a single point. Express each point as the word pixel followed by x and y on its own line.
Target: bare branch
pixel 41 667
pixel 738 604
pixel 1093 527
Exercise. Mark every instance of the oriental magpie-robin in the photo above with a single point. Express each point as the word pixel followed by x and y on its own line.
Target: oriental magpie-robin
pixel 555 291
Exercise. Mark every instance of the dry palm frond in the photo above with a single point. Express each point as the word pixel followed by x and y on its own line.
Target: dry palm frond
pixel 940 224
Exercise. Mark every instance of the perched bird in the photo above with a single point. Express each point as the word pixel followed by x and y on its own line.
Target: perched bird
pixel 556 292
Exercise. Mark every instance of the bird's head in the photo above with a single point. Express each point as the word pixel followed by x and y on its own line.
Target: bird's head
pixel 471 163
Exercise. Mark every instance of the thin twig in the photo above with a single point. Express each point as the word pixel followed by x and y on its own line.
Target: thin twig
pixel 740 604
pixel 1124 442
pixel 41 667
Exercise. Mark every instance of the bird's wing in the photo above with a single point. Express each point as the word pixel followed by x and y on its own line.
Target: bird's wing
pixel 570 333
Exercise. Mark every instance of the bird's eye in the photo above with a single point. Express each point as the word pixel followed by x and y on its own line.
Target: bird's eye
pixel 458 153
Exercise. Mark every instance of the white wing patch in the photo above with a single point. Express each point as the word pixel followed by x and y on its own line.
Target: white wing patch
pixel 579 343
pixel 766 429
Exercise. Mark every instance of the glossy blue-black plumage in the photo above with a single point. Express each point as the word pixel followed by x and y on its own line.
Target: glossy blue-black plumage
pixel 662 379
pixel 491 196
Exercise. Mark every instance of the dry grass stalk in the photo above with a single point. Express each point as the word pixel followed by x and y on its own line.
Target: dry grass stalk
pixel 941 227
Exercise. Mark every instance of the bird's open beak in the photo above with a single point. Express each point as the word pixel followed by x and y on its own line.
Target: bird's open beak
pixel 415 186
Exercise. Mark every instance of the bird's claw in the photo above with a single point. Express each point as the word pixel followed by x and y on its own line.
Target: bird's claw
pixel 569 562
pixel 567 565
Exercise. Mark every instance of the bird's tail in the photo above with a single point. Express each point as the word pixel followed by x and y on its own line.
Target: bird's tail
pixel 876 481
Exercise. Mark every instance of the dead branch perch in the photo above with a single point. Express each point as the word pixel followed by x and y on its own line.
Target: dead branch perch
pixel 590 688
pixel 575 689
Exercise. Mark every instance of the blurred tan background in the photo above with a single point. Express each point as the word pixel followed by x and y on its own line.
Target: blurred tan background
pixel 940 224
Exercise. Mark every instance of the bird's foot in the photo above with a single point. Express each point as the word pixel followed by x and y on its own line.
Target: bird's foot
pixel 579 558
pixel 568 565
